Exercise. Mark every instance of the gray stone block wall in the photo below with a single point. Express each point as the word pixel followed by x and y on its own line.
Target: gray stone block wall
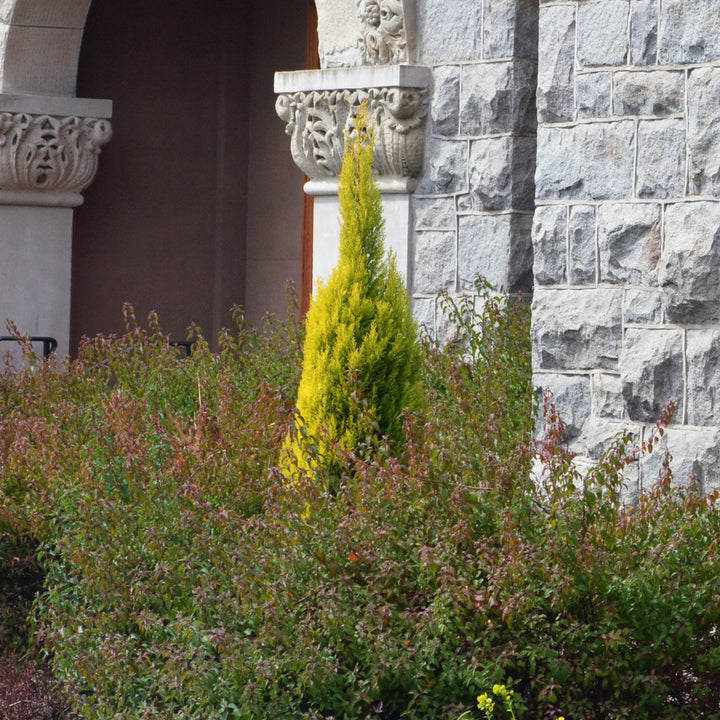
pixel 626 231
pixel 473 209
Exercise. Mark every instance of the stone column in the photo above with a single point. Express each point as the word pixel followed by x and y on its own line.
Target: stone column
pixel 49 148
pixel 319 108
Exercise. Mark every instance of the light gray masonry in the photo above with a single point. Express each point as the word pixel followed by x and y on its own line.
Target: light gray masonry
pixel 628 177
pixel 573 153
pixel 601 142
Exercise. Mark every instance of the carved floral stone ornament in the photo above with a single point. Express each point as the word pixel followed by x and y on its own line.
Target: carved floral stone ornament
pixel 383 39
pixel 48 153
pixel 317 122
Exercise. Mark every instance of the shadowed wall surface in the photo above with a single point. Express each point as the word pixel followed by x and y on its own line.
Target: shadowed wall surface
pixel 165 226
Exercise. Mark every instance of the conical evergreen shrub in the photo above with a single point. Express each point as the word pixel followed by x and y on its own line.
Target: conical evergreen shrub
pixel 361 357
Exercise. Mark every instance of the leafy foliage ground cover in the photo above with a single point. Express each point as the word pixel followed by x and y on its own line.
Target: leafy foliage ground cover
pixel 183 578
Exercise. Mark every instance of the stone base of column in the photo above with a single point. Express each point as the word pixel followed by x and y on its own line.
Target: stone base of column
pixel 326 240
pixel 35 272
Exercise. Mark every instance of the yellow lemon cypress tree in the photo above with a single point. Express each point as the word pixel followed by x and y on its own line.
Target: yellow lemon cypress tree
pixel 361 357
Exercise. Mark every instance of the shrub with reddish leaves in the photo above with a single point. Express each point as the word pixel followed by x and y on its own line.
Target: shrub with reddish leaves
pixel 183 578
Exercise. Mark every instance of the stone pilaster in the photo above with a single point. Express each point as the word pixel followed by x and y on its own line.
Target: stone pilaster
pixel 319 109
pixel 474 204
pixel 49 151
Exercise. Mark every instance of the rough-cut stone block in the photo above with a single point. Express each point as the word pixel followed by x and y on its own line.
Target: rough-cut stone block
pixel 498 97
pixel 643 31
pixel 689 268
pixel 656 92
pixel 607 399
pixel 498 248
pixel 550 244
pixel 435 262
pixel 695 458
pixel 446 100
pixel 576 329
pixel 583 245
pixel 603 32
pixel 688 32
pixel 461 36
pixel 703 389
pixel 651 369
pixel 598 435
pixel 447 331
pixel 502 174
pixel 424 314
pixel 445 169
pixel 593 94
pixel 661 159
pixel 629 239
pixel 510 29
pixel 571 397
pixel 591 161
pixel 434 213
pixel 703 100
pixel 642 307
pixel 556 64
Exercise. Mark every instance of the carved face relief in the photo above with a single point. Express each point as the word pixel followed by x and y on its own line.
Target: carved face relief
pixel 48 153
pixel 45 159
pixel 404 103
pixel 318 123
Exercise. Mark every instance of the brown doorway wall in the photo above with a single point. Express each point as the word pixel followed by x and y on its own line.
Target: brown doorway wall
pixel 197 205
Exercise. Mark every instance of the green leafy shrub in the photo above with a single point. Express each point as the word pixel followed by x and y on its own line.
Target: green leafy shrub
pixel 361 360
pixel 184 577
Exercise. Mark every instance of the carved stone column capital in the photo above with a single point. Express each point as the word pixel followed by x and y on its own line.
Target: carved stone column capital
pixel 318 121
pixel 49 160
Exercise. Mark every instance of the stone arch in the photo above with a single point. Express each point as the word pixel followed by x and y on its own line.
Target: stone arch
pixel 40 45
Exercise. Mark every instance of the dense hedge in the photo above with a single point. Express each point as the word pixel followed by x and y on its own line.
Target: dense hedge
pixel 185 579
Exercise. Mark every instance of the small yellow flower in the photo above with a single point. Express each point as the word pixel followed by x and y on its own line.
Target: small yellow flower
pixel 485 703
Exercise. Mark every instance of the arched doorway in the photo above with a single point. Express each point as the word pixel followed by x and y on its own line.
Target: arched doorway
pixel 198 206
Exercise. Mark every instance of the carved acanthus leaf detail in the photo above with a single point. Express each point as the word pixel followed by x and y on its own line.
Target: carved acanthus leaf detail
pixel 383 39
pixel 317 122
pixel 48 153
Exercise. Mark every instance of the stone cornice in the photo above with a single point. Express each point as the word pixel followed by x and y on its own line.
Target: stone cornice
pixel 47 159
pixel 318 120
